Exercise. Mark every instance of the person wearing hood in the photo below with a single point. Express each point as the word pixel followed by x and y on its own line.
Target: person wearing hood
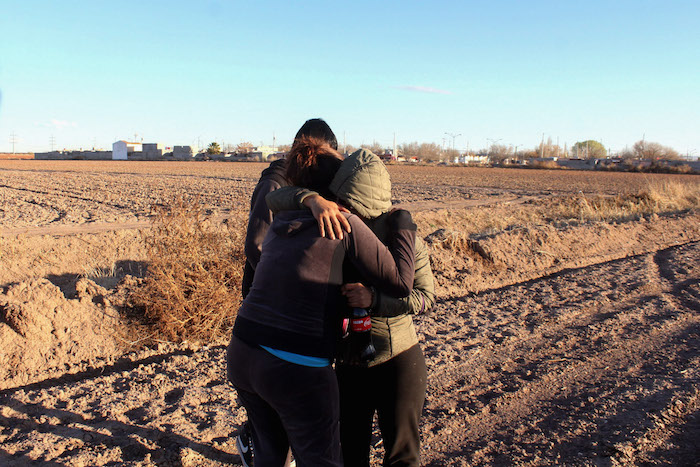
pixel 285 335
pixel 393 384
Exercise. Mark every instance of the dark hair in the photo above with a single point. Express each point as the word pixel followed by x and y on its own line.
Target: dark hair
pixel 312 163
pixel 318 128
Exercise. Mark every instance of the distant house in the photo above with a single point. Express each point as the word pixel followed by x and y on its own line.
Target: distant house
pixel 262 153
pixel 471 159
pixel 121 149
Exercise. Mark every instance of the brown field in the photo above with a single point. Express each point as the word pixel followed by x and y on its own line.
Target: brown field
pixel 566 330
pixel 16 156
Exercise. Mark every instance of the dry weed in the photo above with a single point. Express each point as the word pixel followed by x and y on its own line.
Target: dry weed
pixel 456 229
pixel 192 287
pixel 658 198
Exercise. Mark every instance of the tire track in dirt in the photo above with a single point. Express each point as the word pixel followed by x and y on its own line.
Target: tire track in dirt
pixel 581 356
pixel 171 408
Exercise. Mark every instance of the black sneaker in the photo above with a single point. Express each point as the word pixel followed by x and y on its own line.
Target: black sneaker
pixel 244 442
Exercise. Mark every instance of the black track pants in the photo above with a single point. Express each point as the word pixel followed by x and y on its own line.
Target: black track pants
pixel 396 391
pixel 286 404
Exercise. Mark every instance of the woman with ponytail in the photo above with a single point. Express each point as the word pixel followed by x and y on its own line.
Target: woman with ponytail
pixel 286 331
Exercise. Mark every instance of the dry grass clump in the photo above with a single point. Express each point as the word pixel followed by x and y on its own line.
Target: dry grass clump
pixel 456 229
pixel 456 226
pixel 192 288
pixel 658 198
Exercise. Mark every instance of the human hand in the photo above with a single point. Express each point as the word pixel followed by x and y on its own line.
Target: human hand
pixel 331 221
pixel 358 295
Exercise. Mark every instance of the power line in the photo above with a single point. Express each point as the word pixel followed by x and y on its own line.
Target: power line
pixel 13 140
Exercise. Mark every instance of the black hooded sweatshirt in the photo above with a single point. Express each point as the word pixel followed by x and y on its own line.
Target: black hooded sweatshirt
pixel 294 301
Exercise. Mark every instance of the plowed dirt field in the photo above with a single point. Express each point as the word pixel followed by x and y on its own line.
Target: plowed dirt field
pixel 554 340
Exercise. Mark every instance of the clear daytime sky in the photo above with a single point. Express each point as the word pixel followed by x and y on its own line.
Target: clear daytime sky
pixel 80 74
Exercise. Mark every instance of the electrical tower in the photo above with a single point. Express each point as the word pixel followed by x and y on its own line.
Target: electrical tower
pixel 13 140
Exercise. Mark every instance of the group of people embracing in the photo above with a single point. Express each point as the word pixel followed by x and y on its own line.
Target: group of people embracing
pixel 322 239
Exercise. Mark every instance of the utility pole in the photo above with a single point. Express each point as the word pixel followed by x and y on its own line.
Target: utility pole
pixel 542 147
pixel 493 143
pixel 13 140
pixel 453 136
pixel 396 156
pixel 52 141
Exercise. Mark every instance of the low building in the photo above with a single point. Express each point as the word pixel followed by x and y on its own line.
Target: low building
pixel 471 159
pixel 184 152
pixel 121 149
pixel 153 151
pixel 262 153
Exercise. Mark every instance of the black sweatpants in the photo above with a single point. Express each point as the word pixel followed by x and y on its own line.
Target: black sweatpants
pixel 396 391
pixel 286 404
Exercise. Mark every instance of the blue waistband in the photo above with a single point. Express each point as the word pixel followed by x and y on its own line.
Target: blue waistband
pixel 304 360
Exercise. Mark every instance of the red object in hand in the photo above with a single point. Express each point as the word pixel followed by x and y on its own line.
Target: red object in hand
pixel 361 336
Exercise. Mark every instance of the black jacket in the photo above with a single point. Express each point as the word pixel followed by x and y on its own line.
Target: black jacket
pixel 295 299
pixel 260 218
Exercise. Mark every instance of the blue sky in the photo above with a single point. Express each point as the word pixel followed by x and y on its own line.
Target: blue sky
pixel 89 73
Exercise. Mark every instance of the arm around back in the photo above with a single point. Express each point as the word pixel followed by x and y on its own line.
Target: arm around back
pixel 288 198
pixel 422 297
pixel 392 269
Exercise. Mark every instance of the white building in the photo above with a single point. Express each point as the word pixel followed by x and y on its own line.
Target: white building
pixel 471 159
pixel 263 152
pixel 122 148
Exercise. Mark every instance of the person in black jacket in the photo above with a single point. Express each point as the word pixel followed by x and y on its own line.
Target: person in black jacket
pixel 272 178
pixel 259 220
pixel 284 338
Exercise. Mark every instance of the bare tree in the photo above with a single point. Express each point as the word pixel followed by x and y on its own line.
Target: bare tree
pixel 650 150
pixel 409 150
pixel 499 152
pixel 244 148
pixel 549 149
pixel 450 154
pixel 375 147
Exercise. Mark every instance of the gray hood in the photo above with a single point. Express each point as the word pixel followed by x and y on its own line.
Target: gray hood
pixel 363 184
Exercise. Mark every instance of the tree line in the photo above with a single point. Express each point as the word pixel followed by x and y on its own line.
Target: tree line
pixel 589 149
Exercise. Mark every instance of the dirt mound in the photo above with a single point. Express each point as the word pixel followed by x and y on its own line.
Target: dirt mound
pixel 45 333
pixel 471 265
